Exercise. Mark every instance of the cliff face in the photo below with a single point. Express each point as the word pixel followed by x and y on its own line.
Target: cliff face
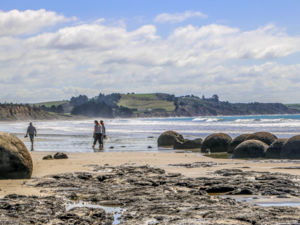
pixel 23 112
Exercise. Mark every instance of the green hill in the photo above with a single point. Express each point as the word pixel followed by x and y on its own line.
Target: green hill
pixel 293 106
pixel 159 105
pixel 145 102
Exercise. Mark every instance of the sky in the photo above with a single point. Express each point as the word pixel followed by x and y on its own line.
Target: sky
pixel 242 50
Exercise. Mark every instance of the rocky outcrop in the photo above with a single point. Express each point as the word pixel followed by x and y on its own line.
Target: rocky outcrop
pixel 236 141
pixel 218 142
pixel 147 195
pixel 275 148
pixel 189 144
pixel 169 138
pixel 15 160
pixel 250 149
pixel 291 148
pixel 266 137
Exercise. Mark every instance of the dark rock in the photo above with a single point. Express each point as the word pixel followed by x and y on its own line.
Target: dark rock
pixel 47 157
pixel 266 137
pixel 189 144
pixel 60 155
pixel 250 149
pixel 236 141
pixel 218 142
pixel 275 148
pixel 149 146
pixel 291 148
pixel 219 189
pixel 111 147
pixel 169 138
pixel 15 160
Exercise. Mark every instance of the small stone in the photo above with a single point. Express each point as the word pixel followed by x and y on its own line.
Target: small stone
pixel 60 155
pixel 47 157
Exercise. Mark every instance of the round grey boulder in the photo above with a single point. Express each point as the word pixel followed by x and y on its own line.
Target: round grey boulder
pixel 217 142
pixel 236 141
pixel 291 148
pixel 15 159
pixel 169 138
pixel 266 137
pixel 189 144
pixel 275 148
pixel 250 149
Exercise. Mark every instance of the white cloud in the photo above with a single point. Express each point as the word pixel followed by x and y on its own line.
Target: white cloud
pixel 92 57
pixel 177 17
pixel 17 22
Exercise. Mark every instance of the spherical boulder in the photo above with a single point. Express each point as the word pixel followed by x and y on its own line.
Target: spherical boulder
pixel 275 148
pixel 250 149
pixel 266 137
pixel 15 159
pixel 217 142
pixel 236 141
pixel 291 148
pixel 189 144
pixel 169 138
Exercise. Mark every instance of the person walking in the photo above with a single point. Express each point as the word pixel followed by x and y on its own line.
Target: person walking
pixel 97 134
pixel 31 131
pixel 103 133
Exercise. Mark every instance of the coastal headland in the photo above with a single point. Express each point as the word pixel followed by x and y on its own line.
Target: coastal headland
pixel 131 105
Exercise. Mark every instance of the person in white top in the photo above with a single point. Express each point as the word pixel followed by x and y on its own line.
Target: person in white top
pixel 103 135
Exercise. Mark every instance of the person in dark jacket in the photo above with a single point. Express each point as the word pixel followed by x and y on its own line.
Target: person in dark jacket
pixel 97 134
pixel 31 131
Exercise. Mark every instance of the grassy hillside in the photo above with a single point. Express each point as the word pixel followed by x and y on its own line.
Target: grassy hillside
pixel 293 106
pixel 145 102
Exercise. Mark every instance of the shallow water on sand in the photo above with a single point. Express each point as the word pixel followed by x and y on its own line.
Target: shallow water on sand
pixel 116 211
pixel 139 134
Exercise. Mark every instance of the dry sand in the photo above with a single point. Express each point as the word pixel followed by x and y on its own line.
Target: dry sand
pixel 80 161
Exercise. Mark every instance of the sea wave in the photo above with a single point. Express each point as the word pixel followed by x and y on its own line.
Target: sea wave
pixel 205 119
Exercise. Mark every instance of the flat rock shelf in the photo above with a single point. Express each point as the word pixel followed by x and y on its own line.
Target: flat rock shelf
pixel 146 195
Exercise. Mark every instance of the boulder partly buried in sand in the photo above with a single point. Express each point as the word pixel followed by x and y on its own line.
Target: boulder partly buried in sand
pixel 291 148
pixel 266 137
pixel 236 141
pixel 47 157
pixel 218 142
pixel 169 138
pixel 60 155
pixel 275 148
pixel 15 160
pixel 189 144
pixel 250 149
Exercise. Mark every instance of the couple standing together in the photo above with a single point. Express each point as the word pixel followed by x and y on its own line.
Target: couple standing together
pixel 99 134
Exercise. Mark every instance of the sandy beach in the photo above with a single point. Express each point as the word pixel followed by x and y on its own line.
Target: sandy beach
pixel 79 162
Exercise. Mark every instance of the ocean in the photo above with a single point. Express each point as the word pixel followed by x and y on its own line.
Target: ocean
pixel 139 133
